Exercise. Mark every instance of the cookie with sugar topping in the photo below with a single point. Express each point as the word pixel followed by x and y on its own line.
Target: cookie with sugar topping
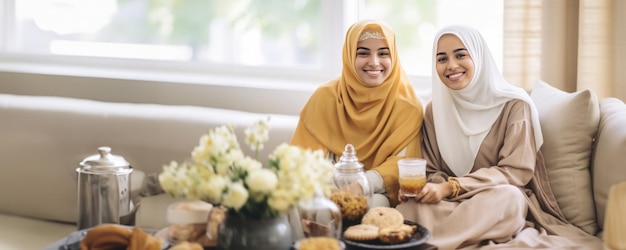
pixel 383 217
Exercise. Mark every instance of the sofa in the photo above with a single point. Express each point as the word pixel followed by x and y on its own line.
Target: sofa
pixel 43 140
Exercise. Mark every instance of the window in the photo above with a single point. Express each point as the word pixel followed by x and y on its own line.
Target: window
pixel 232 32
pixel 298 39
pixel 416 23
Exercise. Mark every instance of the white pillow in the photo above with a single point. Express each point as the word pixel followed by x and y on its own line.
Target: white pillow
pixel 569 122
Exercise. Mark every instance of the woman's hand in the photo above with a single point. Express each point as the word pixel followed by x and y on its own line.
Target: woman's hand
pixel 431 193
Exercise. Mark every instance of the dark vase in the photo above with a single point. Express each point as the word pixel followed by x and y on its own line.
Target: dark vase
pixel 247 234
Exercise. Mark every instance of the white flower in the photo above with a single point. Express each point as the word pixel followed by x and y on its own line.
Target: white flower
pixel 236 196
pixel 213 189
pixel 281 200
pixel 221 174
pixel 167 178
pixel 249 165
pixel 257 135
pixel 262 181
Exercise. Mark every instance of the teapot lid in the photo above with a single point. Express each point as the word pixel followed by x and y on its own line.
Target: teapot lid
pixel 104 160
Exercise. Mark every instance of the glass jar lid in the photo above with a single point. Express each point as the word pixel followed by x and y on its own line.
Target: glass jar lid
pixel 349 162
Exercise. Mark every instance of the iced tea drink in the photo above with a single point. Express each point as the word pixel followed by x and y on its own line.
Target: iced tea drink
pixel 412 175
pixel 411 185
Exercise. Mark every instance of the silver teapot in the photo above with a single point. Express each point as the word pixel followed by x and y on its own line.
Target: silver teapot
pixel 103 189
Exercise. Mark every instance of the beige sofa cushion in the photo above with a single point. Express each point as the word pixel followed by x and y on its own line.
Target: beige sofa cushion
pixel 609 153
pixel 18 232
pixel 569 123
pixel 45 138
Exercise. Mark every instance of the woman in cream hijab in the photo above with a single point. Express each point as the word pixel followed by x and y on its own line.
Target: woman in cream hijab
pixel 487 183
pixel 372 106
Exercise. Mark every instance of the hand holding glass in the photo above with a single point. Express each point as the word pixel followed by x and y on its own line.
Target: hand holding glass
pixel 412 176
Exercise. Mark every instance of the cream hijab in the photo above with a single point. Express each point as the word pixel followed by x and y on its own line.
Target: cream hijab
pixel 464 117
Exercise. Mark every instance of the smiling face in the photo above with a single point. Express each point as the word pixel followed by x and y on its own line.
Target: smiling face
pixel 454 64
pixel 373 61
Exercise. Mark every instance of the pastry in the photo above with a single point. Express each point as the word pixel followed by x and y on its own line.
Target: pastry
pixel 188 220
pixel 141 240
pixel 186 245
pixel 113 236
pixel 396 234
pixel 383 217
pixel 316 243
pixel 216 217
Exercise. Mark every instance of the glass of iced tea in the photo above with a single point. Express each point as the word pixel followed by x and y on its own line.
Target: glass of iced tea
pixel 412 175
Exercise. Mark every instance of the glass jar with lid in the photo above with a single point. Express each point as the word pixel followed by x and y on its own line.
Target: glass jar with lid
pixel 353 192
pixel 320 217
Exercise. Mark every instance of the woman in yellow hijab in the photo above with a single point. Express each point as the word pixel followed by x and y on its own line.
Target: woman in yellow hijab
pixel 372 106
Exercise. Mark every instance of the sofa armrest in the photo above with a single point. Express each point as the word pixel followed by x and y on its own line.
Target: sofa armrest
pixel 609 153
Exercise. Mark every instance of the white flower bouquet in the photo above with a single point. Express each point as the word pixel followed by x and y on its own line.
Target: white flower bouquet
pixel 219 173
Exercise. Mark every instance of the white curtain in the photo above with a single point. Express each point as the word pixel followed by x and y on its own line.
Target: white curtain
pixel 571 44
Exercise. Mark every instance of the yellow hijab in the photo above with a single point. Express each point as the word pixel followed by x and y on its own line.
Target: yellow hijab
pixel 379 121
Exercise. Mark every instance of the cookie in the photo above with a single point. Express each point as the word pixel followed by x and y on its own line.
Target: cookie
pixel 361 232
pixel 396 234
pixel 383 217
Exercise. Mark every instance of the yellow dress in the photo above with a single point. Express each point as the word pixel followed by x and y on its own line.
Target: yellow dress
pixel 381 122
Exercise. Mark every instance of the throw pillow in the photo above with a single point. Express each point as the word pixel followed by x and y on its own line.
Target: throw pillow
pixel 569 122
pixel 610 153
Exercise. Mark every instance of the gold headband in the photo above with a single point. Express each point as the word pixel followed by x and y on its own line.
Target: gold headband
pixel 371 34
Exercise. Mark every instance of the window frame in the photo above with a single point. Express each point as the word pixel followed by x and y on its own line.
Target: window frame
pixel 213 74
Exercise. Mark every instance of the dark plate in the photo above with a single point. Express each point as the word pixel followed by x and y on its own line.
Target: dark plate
pixel 419 237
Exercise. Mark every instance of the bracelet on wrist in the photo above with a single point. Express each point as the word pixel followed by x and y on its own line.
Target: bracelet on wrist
pixel 456 187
